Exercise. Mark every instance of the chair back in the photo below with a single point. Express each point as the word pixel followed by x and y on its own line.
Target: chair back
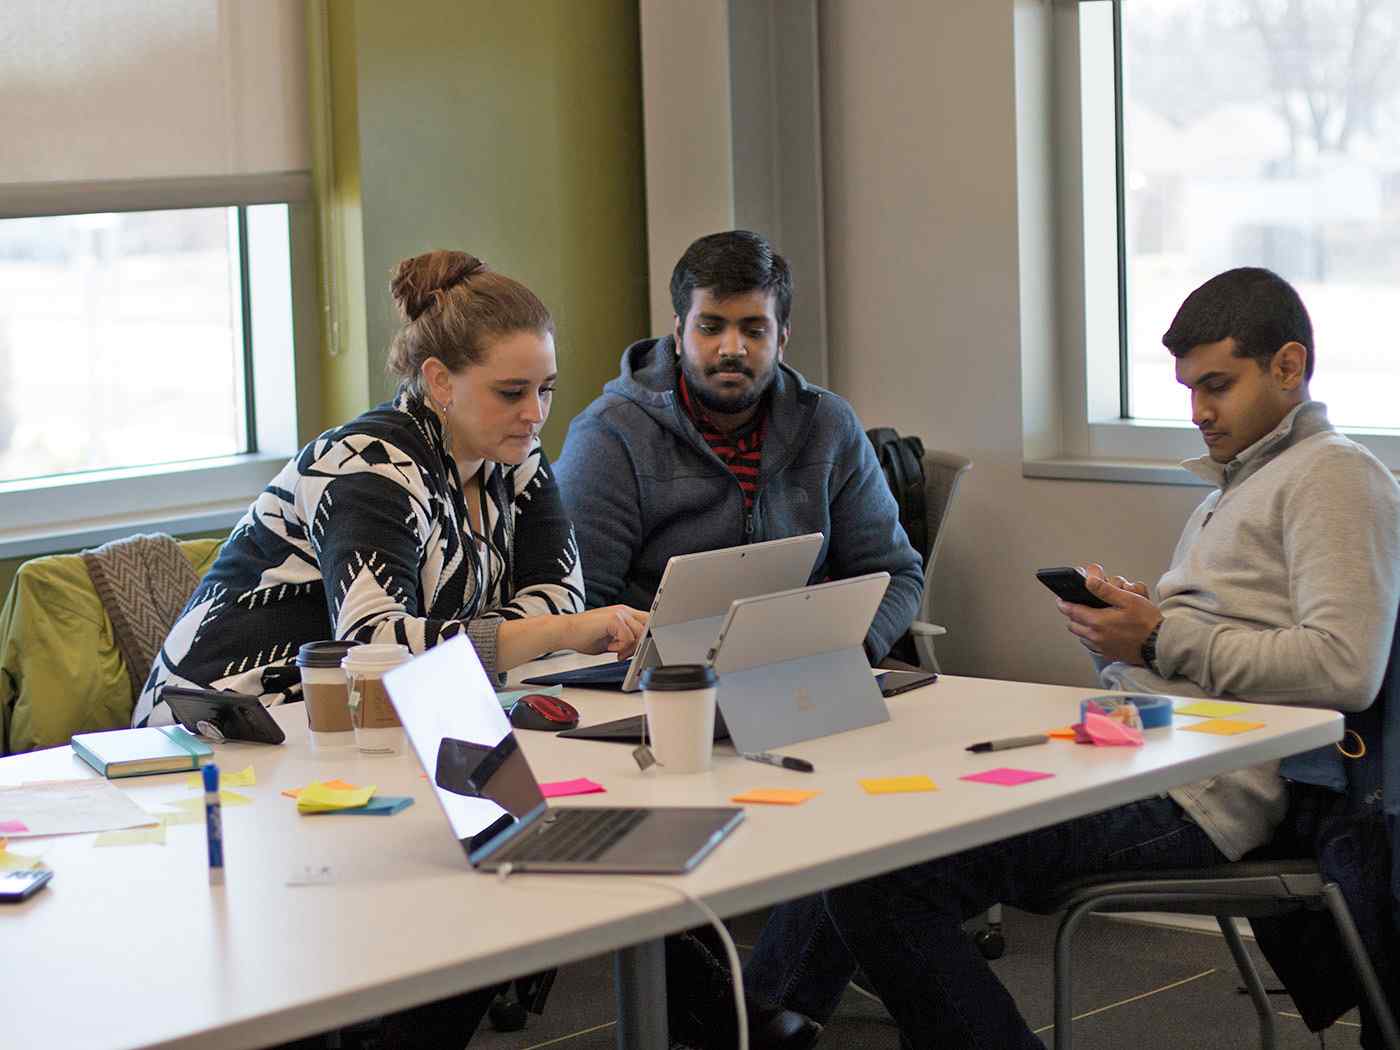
pixel 943 471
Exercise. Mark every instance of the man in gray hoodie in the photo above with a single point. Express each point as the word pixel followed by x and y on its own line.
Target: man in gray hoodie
pixel 708 440
pixel 1283 589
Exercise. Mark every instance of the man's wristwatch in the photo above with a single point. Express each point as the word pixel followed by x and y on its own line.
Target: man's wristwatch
pixel 1148 652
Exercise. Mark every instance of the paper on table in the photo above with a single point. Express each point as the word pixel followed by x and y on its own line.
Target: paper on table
pixel 68 807
pixel 1006 776
pixel 133 837
pixel 897 785
pixel 577 786
pixel 337 784
pixel 1223 727
pixel 1211 708
pixel 196 805
pixel 776 796
pixel 317 798
pixel 242 779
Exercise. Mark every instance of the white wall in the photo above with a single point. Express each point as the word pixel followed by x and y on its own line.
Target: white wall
pixel 927 311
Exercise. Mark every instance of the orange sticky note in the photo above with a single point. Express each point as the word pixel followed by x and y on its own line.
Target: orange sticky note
pixel 337 784
pixel 1066 733
pixel 898 785
pixel 1221 727
pixel 776 796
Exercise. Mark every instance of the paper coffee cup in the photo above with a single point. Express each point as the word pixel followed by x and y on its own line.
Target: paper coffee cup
pixel 325 692
pixel 680 706
pixel 378 730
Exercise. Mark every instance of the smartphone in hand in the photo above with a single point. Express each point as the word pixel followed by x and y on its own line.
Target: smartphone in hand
pixel 1068 583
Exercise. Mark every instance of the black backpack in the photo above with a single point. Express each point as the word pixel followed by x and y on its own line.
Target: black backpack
pixel 902 460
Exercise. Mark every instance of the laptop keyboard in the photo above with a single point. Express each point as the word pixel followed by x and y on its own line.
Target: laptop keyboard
pixel 572 835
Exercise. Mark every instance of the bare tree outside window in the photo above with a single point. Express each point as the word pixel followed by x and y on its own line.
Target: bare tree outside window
pixel 1267 132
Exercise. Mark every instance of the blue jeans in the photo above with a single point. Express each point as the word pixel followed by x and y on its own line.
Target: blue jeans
pixel 800 962
pixel 905 928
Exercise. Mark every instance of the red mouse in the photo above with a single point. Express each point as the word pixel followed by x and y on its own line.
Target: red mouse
pixel 537 711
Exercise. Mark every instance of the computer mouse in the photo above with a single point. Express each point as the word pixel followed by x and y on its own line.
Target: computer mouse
pixel 536 711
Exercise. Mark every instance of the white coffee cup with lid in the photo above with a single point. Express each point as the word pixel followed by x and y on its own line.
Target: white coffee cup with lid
pixel 680 706
pixel 378 730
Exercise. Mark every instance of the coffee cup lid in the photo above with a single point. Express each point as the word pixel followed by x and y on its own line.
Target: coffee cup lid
pixel 375 657
pixel 324 654
pixel 677 677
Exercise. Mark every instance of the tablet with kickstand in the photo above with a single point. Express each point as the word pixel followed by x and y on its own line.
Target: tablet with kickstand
pixel 219 716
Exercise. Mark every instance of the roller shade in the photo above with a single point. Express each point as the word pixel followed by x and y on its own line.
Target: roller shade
pixel 147 103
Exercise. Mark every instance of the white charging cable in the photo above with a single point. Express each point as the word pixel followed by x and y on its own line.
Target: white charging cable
pixel 736 973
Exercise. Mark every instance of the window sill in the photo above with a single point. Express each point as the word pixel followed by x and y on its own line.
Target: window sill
pixel 1124 471
pixel 49 515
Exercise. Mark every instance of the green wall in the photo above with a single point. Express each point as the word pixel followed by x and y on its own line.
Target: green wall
pixel 512 131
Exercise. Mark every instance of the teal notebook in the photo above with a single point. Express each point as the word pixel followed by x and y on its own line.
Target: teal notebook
pixel 136 752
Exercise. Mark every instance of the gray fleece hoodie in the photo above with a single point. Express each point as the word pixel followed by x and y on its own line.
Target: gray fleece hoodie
pixel 641 485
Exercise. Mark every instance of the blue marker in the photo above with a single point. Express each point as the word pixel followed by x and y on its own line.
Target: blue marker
pixel 214 825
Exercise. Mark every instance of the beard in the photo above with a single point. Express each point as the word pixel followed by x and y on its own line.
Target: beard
pixel 732 402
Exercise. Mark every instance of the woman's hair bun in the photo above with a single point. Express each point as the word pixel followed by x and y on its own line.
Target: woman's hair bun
pixel 419 282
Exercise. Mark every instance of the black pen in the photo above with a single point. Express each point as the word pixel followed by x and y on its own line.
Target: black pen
pixel 1010 742
pixel 767 757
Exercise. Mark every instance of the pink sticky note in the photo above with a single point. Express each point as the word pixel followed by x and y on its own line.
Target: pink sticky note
pixel 1006 777
pixel 17 827
pixel 579 786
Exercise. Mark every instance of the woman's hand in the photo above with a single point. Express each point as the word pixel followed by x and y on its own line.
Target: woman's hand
pixel 612 629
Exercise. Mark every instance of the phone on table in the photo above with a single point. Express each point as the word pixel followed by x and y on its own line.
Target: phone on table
pixel 1068 583
pixel 217 716
pixel 892 683
pixel 21 883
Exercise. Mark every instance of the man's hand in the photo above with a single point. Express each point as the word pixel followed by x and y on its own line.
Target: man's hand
pixel 1116 633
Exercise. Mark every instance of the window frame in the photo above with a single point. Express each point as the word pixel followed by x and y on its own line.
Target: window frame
pixel 71 511
pixel 1096 440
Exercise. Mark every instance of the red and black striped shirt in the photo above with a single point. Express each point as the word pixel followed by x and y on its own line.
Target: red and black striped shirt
pixel 740 451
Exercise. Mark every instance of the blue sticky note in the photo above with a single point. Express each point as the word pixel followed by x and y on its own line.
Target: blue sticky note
pixel 379 806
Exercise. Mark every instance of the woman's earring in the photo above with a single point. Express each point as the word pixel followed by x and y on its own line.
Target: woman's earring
pixel 446 427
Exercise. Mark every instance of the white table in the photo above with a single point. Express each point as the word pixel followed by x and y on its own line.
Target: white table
pixel 131 947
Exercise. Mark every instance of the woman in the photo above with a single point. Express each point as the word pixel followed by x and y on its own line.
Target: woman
pixel 430 516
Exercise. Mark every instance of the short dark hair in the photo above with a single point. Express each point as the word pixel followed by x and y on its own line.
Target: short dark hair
pixel 1255 307
pixel 729 264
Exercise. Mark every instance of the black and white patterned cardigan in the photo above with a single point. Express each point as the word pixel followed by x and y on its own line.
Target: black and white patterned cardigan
pixel 362 536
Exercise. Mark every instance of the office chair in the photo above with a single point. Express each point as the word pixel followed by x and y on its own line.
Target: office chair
pixel 1245 889
pixel 942 473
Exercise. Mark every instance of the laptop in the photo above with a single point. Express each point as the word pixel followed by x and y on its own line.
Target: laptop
pixel 493 801
pixel 792 666
pixel 691 601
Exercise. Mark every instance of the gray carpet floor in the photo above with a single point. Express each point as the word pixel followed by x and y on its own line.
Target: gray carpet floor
pixel 1138 987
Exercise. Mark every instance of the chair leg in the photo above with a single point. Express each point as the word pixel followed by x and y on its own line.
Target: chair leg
pixel 1064 1010
pixel 1370 984
pixel 1268 1037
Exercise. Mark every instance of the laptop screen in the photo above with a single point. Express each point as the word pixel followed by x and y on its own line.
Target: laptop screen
pixel 463 740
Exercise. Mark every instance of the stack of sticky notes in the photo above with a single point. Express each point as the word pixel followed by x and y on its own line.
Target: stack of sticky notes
pixel 336 796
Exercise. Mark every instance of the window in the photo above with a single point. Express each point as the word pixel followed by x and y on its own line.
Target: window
pixel 1222 133
pixel 148 226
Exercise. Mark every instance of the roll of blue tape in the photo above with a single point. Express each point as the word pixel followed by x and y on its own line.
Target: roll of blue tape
pixel 1155 711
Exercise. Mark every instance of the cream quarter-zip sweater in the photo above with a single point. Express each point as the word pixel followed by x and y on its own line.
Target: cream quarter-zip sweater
pixel 1283 589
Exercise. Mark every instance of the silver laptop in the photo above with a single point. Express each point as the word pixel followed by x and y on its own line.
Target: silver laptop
pixel 792 666
pixel 493 802
pixel 696 590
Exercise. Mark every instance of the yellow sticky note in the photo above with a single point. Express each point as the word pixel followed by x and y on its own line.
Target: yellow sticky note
pixel 318 798
pixel 242 779
pixel 1223 727
pixel 898 785
pixel 183 816
pixel 1211 708
pixel 776 796
pixel 12 861
pixel 338 784
pixel 151 836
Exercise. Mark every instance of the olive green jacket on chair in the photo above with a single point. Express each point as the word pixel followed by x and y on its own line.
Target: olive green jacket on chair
pixel 60 669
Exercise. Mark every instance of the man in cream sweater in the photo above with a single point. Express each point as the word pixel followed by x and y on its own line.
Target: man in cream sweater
pixel 1283 589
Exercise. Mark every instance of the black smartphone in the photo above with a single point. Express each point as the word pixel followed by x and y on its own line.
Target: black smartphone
pixel 23 882
pixel 222 716
pixel 892 683
pixel 1068 583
